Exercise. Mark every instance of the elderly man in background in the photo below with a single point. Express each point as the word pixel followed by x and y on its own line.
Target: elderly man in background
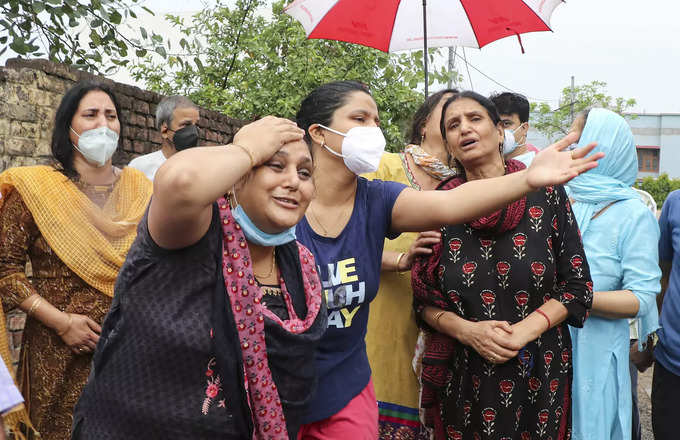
pixel 176 119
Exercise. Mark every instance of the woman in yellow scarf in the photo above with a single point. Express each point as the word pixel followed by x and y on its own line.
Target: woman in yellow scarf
pixel 74 222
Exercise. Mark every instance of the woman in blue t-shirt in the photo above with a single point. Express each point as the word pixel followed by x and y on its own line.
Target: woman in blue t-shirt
pixel 347 222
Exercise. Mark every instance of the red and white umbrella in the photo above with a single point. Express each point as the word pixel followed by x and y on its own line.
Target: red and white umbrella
pixel 394 25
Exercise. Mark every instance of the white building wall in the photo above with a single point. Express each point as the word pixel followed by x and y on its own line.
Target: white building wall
pixel 660 129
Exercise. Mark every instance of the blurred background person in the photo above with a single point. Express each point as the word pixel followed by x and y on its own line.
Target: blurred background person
pixel 513 110
pixel 392 331
pixel 176 120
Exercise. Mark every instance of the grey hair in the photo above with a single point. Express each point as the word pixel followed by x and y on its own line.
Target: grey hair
pixel 167 107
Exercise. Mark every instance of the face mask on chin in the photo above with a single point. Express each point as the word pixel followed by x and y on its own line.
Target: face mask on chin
pixel 362 148
pixel 97 145
pixel 256 235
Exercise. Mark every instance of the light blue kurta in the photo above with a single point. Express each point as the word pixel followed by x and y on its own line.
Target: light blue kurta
pixel 622 250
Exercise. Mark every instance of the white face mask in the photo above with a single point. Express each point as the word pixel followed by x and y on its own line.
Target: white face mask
pixel 515 131
pixel 509 144
pixel 362 148
pixel 97 145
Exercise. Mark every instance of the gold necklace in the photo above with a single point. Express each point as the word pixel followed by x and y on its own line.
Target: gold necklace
pixel 271 269
pixel 316 219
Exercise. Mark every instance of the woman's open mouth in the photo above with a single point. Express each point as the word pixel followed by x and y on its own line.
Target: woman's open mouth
pixel 287 202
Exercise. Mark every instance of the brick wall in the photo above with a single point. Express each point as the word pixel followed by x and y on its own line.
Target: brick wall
pixel 30 92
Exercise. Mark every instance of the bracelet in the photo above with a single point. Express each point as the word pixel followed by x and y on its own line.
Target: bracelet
pixel 253 162
pixel 546 318
pixel 436 318
pixel 399 257
pixel 34 306
pixel 70 321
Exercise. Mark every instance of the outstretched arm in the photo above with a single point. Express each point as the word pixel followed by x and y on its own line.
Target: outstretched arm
pixel 426 210
pixel 190 181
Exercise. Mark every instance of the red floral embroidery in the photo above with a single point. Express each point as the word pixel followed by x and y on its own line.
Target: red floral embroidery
pixel 213 387
pixel 489 416
pixel 506 386
pixel 519 241
pixel 576 263
pixel 488 300
pixel 454 249
pixel 503 269
pixel 469 273
pixel 486 246
pixel 535 217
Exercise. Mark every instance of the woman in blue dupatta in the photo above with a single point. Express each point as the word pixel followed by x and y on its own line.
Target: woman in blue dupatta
pixel 620 237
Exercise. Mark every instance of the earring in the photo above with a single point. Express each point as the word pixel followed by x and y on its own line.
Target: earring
pixel 422 139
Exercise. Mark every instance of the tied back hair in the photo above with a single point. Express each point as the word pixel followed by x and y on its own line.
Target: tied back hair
pixel 62 148
pixel 481 100
pixel 320 105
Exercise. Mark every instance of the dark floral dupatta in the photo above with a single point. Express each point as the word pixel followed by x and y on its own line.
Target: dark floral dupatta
pixel 277 355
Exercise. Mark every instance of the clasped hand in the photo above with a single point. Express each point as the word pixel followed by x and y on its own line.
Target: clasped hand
pixel 495 341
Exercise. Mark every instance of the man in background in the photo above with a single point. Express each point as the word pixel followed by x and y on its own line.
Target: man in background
pixel 513 109
pixel 176 119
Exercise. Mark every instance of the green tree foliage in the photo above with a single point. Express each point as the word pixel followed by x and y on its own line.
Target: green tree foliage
pixel 557 122
pixel 238 62
pixel 659 187
pixel 52 28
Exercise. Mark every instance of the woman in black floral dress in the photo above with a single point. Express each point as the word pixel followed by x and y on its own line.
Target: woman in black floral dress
pixel 497 295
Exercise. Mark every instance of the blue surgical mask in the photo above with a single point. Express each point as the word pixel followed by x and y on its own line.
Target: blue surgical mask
pixel 257 235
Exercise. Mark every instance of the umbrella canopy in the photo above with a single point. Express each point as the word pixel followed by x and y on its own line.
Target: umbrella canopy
pixel 394 25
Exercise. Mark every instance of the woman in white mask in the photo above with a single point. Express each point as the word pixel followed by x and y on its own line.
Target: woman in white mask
pixel 75 220
pixel 345 227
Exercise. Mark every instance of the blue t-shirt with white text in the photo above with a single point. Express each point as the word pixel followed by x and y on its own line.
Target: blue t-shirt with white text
pixel 349 268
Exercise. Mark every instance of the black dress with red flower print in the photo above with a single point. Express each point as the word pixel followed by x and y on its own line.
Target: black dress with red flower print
pixel 505 277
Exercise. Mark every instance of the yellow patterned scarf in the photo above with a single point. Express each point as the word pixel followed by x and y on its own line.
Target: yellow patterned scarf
pixel 90 240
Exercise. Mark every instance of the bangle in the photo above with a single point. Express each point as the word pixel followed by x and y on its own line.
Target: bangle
pixel 253 162
pixel 34 306
pixel 399 257
pixel 546 318
pixel 68 327
pixel 436 318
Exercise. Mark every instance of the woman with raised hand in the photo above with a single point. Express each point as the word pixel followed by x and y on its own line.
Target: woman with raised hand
pixel 210 295
pixel 347 222
pixel 497 294
pixel 392 336
pixel 75 221
pixel 620 236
